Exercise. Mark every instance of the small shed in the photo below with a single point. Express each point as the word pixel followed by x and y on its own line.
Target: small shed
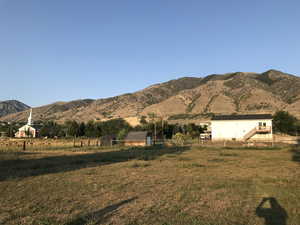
pixel 108 140
pixel 138 138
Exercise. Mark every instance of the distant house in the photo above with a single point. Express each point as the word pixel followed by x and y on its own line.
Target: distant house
pixel 242 127
pixel 27 130
pixel 138 138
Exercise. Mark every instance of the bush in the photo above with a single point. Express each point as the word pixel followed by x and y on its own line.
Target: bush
pixel 180 139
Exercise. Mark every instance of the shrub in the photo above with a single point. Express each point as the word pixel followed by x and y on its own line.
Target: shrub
pixel 180 139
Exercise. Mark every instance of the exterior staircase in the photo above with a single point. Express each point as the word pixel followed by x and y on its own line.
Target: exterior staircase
pixel 257 130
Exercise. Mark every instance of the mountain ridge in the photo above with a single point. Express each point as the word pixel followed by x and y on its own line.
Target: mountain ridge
pixel 11 106
pixel 237 92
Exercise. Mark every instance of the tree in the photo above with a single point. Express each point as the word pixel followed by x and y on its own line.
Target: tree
pixel 285 123
pixel 180 139
pixel 143 120
pixel 122 134
pixel 112 127
pixel 81 130
pixel 194 130
pixel 51 129
pixel 90 129
pixel 11 129
pixel 72 128
pixel 169 130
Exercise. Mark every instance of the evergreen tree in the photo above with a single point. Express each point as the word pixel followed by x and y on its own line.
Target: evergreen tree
pixel 81 130
pixel 285 123
pixel 90 129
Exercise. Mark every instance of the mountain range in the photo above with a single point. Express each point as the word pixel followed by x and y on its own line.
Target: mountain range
pixel 187 98
pixel 11 106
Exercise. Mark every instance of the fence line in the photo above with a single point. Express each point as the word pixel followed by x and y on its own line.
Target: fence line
pixel 95 143
pixel 48 144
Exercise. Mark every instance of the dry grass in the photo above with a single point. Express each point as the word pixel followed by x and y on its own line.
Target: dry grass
pixel 38 144
pixel 180 186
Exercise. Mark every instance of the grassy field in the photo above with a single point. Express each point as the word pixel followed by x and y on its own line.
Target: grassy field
pixel 175 185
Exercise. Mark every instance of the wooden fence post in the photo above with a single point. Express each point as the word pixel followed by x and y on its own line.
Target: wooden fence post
pixel 89 142
pixel 24 145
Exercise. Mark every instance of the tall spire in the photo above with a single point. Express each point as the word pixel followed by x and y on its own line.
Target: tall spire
pixel 29 122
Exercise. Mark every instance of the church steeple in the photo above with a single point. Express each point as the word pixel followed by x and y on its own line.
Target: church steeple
pixel 29 122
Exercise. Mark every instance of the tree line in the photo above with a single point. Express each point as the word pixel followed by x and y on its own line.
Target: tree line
pixel 116 127
pixel 283 122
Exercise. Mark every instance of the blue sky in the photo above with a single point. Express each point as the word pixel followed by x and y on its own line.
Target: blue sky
pixel 61 50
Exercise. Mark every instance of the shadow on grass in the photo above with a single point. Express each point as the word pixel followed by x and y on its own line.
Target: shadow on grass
pixel 275 215
pixel 252 148
pixel 99 216
pixel 296 153
pixel 21 168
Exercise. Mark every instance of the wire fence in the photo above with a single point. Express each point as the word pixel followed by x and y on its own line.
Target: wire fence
pixel 52 144
pixel 83 144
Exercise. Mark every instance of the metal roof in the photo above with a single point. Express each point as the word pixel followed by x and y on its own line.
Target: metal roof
pixel 243 117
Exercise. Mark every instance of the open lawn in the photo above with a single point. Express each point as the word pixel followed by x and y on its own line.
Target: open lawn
pixel 175 185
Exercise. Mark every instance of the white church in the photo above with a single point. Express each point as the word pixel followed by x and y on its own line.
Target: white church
pixel 242 127
pixel 27 130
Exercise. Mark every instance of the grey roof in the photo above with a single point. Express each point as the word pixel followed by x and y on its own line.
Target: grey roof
pixel 136 136
pixel 108 137
pixel 243 117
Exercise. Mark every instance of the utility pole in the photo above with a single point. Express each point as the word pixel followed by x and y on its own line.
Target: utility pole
pixel 154 132
pixel 162 129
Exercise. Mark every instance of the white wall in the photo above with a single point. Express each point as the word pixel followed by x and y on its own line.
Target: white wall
pixel 22 131
pixel 237 129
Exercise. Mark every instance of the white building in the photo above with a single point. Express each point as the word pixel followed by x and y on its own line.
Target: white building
pixel 27 130
pixel 242 127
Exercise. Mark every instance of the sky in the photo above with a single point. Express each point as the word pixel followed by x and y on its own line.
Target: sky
pixel 62 50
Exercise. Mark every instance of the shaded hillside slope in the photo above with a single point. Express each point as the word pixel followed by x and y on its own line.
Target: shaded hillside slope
pixel 11 106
